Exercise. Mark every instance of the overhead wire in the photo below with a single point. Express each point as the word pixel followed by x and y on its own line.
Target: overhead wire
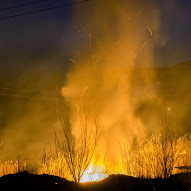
pixel 31 97
pixel 26 90
pixel 28 13
pixel 44 9
pixel 21 5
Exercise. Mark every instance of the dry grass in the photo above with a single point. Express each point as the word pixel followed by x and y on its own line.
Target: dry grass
pixel 148 160
pixel 56 166
pixel 145 162
pixel 10 167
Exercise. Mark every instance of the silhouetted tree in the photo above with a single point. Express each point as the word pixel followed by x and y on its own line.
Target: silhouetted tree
pixel 168 140
pixel 78 153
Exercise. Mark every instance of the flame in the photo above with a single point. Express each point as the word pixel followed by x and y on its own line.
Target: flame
pixel 184 152
pixel 93 174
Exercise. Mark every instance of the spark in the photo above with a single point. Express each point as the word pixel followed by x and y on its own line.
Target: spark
pixel 73 61
pixel 78 109
pixel 82 100
pixel 84 91
pixel 105 51
pixel 135 55
pixel 150 30
pixel 144 44
pixel 135 14
pixel 65 91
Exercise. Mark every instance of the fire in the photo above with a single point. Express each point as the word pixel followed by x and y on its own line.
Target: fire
pixel 98 171
pixel 94 174
pixel 184 152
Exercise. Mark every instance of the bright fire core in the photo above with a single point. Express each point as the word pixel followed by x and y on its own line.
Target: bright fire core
pixel 93 174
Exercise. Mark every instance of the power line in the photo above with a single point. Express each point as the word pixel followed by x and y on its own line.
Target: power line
pixel 41 10
pixel 30 97
pixel 25 90
pixel 21 5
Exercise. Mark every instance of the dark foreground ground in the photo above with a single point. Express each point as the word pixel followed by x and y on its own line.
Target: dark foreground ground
pixel 25 181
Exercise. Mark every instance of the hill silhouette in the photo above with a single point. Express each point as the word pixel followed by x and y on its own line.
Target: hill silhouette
pixel 183 65
pixel 25 181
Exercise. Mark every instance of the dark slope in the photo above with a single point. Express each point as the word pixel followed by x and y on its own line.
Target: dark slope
pixel 25 181
pixel 180 182
pixel 183 65
pixel 170 87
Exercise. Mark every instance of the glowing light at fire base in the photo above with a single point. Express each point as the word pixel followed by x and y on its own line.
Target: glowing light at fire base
pixel 94 174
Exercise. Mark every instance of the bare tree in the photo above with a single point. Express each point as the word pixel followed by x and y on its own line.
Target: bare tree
pixel 154 157
pixel 168 141
pixel 78 154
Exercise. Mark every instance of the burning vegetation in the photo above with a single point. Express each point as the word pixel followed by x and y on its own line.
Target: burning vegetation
pixel 102 124
pixel 157 157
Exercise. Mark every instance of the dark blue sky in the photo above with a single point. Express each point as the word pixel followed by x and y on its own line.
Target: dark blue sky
pixel 57 35
pixel 175 20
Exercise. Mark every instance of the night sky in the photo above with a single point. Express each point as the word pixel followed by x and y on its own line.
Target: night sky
pixel 54 34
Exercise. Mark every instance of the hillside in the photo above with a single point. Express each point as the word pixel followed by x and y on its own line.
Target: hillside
pixel 25 181
pixel 164 88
